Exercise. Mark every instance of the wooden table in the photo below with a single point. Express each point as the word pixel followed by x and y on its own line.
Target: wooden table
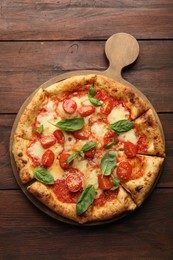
pixel 42 39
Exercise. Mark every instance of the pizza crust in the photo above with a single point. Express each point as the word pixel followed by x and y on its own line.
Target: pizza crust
pixel 72 84
pixel 136 104
pixel 122 204
pixel 24 126
pixel 148 125
pixel 23 162
pixel 140 188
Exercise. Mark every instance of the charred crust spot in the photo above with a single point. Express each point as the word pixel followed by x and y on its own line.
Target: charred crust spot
pixel 38 195
pixel 149 120
pixel 20 154
pixel 138 188
pixel 24 161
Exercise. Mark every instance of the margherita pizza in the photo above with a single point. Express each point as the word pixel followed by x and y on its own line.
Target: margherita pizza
pixel 91 146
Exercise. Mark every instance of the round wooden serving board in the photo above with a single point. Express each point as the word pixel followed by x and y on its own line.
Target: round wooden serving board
pixel 121 49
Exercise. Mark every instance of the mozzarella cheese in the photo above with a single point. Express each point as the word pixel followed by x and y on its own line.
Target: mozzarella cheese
pixel 36 150
pixel 48 117
pixel 129 136
pixel 118 113
pixel 98 130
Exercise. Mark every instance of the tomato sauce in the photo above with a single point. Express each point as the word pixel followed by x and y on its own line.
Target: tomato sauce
pixel 63 193
pixel 106 196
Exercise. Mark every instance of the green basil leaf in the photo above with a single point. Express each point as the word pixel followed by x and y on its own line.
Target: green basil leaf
pixel 71 157
pixel 95 101
pixel 39 130
pixel 121 126
pixel 116 183
pixel 108 163
pixel 85 199
pixel 92 91
pixel 88 146
pixel 71 125
pixel 109 145
pixel 81 153
pixel 42 175
pixel 91 94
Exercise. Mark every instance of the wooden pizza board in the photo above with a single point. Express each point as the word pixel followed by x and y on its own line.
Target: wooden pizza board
pixel 121 49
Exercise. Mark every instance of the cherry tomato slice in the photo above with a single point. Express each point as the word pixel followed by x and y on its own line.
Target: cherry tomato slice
pixel 62 161
pixel 107 106
pixel 47 141
pixel 86 110
pixel 124 170
pixel 105 182
pixel 90 153
pixel 130 149
pixel 81 134
pixel 47 158
pixel 69 106
pixel 59 136
pixel 108 137
pixel 74 182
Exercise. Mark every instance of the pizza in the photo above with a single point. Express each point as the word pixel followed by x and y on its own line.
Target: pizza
pixel 89 148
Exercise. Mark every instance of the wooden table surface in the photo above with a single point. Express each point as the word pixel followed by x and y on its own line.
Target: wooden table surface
pixel 45 38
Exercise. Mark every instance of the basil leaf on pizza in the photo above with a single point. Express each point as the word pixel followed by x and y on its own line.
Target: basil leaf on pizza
pixel 116 183
pixel 42 175
pixel 71 125
pixel 121 126
pixel 108 163
pixel 88 146
pixel 109 145
pixel 91 94
pixel 85 199
pixel 71 157
pixel 39 130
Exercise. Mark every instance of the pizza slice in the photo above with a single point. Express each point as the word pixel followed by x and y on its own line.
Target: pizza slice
pixel 77 206
pixel 145 137
pixel 138 175
pixel 128 99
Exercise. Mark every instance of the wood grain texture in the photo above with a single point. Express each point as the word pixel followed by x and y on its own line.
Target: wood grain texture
pixel 81 20
pixel 26 65
pixel 7 180
pixel 145 234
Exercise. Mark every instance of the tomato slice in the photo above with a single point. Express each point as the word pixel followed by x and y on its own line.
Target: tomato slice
pixel 63 193
pixel 74 182
pixel 130 149
pixel 124 170
pixel 90 153
pixel 62 160
pixel 86 110
pixel 105 182
pixel 69 106
pixel 59 136
pixel 81 134
pixel 47 141
pixel 47 158
pixel 108 137
pixel 107 106
pixel 142 144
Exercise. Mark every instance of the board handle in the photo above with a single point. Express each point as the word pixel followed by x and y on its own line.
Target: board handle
pixel 121 50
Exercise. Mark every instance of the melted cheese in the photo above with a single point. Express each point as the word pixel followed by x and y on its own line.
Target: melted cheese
pixel 129 136
pixel 36 150
pixel 46 117
pixel 56 171
pixel 118 113
pixel 99 130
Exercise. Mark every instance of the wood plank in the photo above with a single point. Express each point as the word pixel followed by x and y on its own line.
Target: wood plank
pixel 7 180
pixel 26 65
pixel 69 20
pixel 145 234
